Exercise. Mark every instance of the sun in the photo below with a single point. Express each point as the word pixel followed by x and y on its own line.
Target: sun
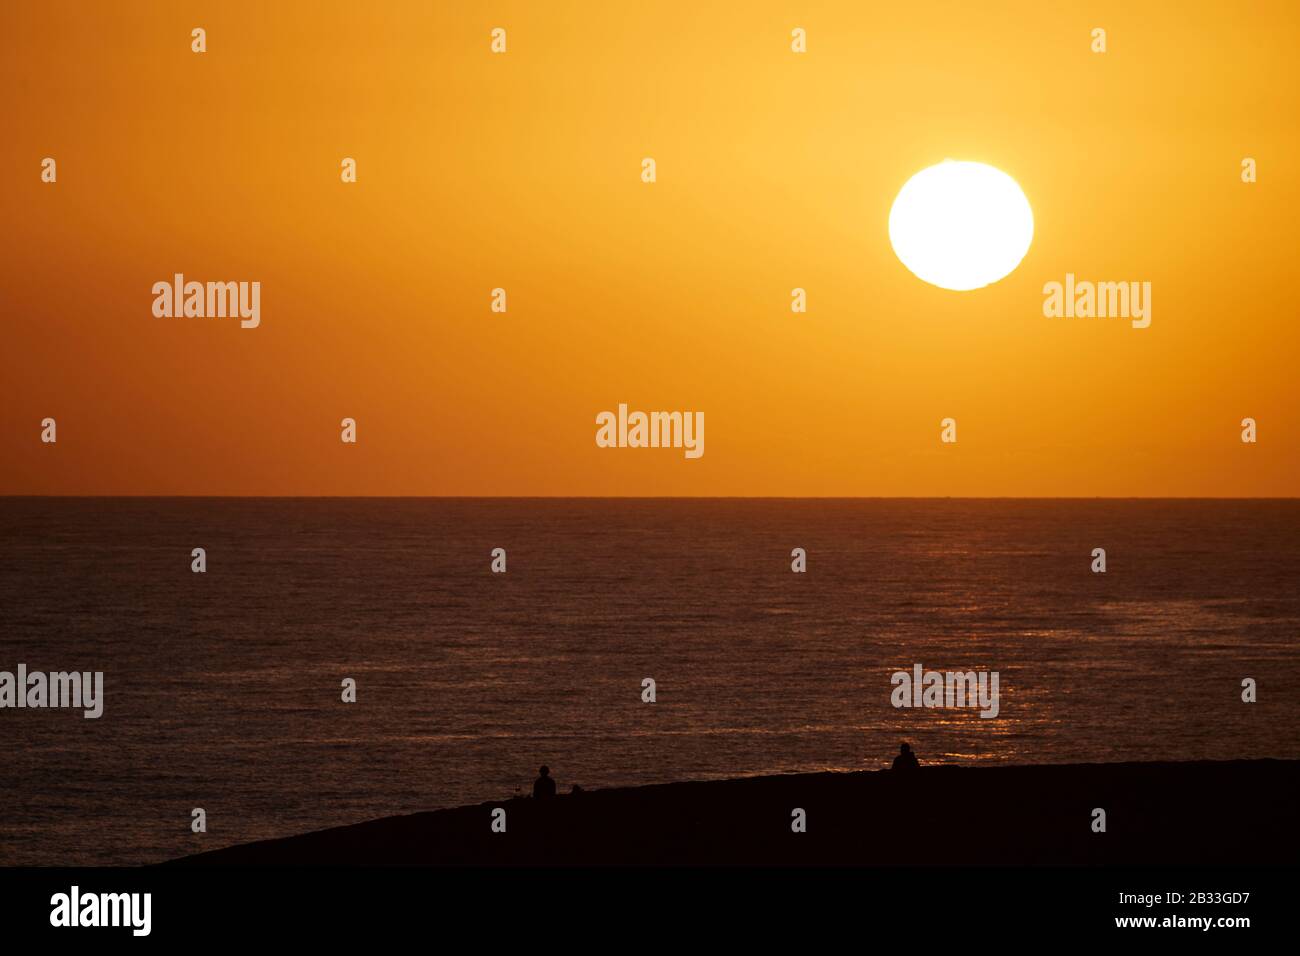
pixel 961 225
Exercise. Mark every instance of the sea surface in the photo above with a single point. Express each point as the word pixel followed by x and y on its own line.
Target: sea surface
pixel 223 689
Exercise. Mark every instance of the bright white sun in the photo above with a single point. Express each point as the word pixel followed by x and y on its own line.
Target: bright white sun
pixel 961 225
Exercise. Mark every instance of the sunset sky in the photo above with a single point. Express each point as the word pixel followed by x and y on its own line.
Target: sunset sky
pixel 776 170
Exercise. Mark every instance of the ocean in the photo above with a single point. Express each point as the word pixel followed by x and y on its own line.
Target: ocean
pixel 222 690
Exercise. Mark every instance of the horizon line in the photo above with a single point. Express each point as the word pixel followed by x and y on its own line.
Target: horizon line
pixel 293 497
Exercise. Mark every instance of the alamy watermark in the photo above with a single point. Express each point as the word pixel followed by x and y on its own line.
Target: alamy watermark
pixel 200 300
pixel 625 429
pixel 1101 300
pixel 946 689
pixel 75 908
pixel 75 689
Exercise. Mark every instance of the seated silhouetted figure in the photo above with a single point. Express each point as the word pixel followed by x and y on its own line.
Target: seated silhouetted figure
pixel 906 760
pixel 544 786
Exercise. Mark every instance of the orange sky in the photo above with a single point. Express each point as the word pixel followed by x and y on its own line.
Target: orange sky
pixel 775 170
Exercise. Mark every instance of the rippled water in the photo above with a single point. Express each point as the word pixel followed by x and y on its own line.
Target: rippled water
pixel 223 689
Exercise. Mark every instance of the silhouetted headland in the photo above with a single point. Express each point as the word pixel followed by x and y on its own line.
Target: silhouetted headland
pixel 1227 812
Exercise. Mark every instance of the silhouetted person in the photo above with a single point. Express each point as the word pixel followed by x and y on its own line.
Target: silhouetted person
pixel 906 760
pixel 544 786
